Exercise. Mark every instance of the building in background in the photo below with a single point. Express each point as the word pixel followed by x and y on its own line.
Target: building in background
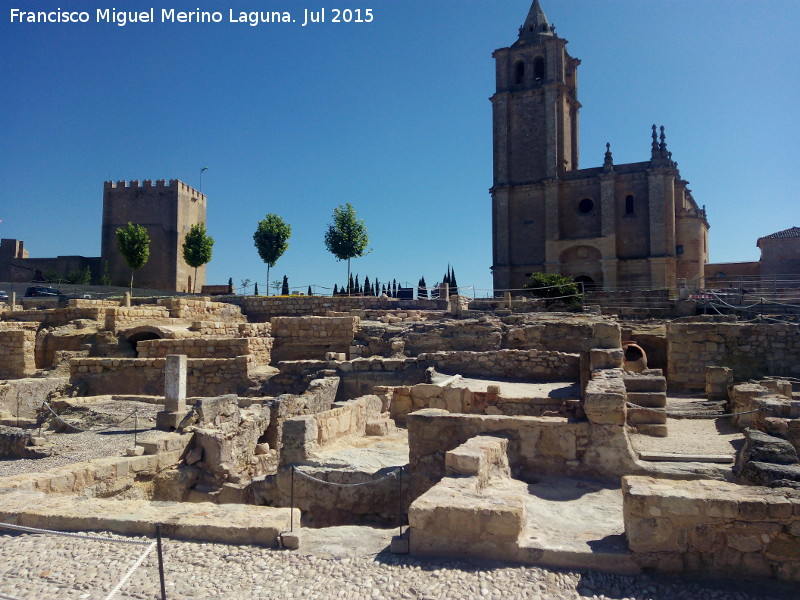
pixel 628 225
pixel 166 209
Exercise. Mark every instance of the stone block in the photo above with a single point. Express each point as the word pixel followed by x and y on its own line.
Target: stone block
pixel 653 430
pixel 644 383
pixel 648 416
pixel 648 399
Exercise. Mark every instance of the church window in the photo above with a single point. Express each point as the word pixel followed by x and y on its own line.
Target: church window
pixel 538 68
pixel 628 204
pixel 519 69
pixel 585 206
pixel 679 249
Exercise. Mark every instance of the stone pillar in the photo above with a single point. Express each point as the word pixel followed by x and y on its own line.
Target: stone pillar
pixel 127 300
pixel 507 300
pixel 174 393
pixel 13 300
pixel 175 383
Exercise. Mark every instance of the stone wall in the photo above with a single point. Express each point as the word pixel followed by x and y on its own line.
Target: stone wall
pixel 263 308
pixel 751 350
pixel 258 348
pixel 403 400
pixel 527 365
pixel 124 317
pixel 311 337
pixel 23 397
pixel 201 309
pixel 303 436
pixel 145 376
pixel 17 352
pixel 713 528
pixel 560 332
pixel 464 334
pixel 597 447
pixel 55 317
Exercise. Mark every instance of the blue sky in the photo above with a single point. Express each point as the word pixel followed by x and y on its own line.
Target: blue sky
pixel 392 116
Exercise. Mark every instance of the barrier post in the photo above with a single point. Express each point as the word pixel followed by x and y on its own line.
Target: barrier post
pixel 291 505
pixel 160 562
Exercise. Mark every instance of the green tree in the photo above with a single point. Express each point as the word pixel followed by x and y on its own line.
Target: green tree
pixel 255 291
pixel 422 290
pixel 133 244
pixel 309 291
pixel 453 283
pixel 347 237
pixel 197 249
pixel 554 287
pixel 285 286
pixel 105 280
pixel 335 289
pixel 272 239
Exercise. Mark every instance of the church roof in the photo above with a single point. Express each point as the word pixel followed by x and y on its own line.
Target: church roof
pixel 536 24
pixel 792 232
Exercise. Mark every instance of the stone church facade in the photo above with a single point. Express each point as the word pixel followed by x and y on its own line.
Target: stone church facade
pixel 615 226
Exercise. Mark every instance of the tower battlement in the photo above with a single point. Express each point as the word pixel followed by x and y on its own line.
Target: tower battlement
pixel 176 184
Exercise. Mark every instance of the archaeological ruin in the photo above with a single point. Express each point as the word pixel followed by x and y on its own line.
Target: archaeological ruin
pixel 498 430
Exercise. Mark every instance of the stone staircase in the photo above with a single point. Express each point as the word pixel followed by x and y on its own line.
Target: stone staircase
pixel 647 402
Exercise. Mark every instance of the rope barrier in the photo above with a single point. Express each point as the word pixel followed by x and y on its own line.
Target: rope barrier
pixel 59 418
pixel 4 597
pixel 689 415
pixel 130 571
pixel 348 485
pixel 83 536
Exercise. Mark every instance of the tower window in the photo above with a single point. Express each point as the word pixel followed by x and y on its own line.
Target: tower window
pixel 679 249
pixel 628 204
pixel 519 72
pixel 538 68
pixel 585 206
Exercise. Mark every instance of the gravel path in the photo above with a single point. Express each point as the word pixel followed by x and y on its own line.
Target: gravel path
pixel 69 448
pixel 35 567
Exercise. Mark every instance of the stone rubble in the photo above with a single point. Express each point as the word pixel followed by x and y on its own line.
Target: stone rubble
pixel 47 567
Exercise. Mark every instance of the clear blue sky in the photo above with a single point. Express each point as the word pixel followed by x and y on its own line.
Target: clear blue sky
pixel 392 116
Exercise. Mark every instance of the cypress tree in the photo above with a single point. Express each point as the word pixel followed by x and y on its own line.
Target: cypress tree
pixel 256 290
pixel 394 288
pixel 367 289
pixel 309 290
pixel 384 290
pixel 335 290
pixel 285 286
pixel 230 285
pixel 357 288
pixel 351 286
pixel 453 283
pixel 422 290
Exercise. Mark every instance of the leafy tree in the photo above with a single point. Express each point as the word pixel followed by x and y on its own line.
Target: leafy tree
pixel 133 244
pixel 346 237
pixel 285 286
pixel 272 239
pixel 80 277
pixel 197 249
pixel 553 287
pixel 255 291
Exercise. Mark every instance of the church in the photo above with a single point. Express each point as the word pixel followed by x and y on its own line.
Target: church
pixel 626 226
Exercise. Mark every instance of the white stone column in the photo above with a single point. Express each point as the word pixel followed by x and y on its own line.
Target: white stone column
pixel 175 383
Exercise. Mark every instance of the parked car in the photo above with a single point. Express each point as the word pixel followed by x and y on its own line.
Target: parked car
pixel 42 292
pixel 3 296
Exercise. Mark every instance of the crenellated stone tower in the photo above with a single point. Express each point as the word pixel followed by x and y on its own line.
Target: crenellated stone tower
pixel 167 210
pixel 632 225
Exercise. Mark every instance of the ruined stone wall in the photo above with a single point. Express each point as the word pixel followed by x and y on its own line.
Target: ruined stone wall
pixel 304 435
pixel 26 395
pixel 201 309
pixel 17 352
pixel 56 317
pixel 752 350
pixel 311 337
pixel 597 447
pixel 145 376
pixel 258 348
pixel 263 308
pixel 405 399
pixel 122 317
pixel 527 365
pixel 560 332
pixel 713 528
pixel 468 334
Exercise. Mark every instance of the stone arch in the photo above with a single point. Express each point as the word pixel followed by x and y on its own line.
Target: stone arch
pixel 134 335
pixel 582 263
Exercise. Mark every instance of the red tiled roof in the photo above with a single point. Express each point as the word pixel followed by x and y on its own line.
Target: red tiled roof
pixel 792 232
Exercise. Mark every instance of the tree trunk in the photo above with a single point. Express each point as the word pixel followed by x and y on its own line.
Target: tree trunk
pixel 131 282
pixel 347 282
pixel 194 281
pixel 268 279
